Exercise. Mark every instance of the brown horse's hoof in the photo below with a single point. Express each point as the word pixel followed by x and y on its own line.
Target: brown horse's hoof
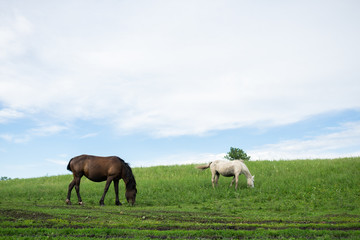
pixel 80 203
pixel 68 202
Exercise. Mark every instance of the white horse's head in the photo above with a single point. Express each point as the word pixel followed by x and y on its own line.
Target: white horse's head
pixel 250 181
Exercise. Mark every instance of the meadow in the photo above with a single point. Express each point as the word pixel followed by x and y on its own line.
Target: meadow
pixel 302 199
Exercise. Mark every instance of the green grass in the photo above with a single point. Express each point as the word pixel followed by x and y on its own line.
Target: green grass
pixel 304 199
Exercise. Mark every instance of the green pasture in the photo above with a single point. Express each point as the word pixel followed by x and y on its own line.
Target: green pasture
pixel 303 199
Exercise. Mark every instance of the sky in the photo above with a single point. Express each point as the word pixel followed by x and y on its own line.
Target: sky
pixel 176 82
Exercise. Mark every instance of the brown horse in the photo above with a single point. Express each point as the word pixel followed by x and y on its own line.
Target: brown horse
pixel 99 169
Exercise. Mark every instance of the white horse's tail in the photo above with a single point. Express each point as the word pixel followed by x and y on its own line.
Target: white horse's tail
pixel 202 167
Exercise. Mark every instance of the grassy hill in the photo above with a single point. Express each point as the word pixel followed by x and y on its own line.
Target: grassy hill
pixel 291 199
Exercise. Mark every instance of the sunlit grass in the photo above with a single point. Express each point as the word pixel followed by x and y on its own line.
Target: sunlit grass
pixel 289 196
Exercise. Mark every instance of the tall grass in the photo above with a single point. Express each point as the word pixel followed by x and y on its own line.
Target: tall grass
pixel 294 187
pixel 302 185
pixel 307 199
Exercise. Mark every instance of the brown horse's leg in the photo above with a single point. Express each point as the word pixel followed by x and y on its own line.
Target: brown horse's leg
pixel 71 186
pixel 108 182
pixel 77 188
pixel 116 186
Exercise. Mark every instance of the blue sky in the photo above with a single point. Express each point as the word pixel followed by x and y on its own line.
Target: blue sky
pixel 176 82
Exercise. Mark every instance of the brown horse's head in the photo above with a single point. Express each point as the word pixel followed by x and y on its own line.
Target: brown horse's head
pixel 130 196
pixel 130 182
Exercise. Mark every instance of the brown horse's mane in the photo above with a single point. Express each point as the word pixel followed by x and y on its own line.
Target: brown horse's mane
pixel 129 175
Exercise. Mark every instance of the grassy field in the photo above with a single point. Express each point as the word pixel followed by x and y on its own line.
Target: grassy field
pixel 304 199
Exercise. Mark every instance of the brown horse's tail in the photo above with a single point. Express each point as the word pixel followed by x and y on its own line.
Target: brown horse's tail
pixel 68 166
pixel 202 167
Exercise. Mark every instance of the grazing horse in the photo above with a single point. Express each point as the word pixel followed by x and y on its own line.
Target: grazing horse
pixel 228 169
pixel 100 169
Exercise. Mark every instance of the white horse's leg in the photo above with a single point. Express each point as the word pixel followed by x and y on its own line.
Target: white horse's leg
pixel 213 179
pixel 232 181
pixel 217 178
pixel 236 180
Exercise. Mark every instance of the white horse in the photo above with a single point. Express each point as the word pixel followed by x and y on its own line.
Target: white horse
pixel 229 169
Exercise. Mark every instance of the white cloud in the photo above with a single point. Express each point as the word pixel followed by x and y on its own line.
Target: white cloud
pixel 59 159
pixel 175 69
pixel 181 159
pixel 47 130
pixel 15 138
pixel 7 114
pixel 89 135
pixel 58 162
pixel 42 131
pixel 344 142
pixel 12 33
